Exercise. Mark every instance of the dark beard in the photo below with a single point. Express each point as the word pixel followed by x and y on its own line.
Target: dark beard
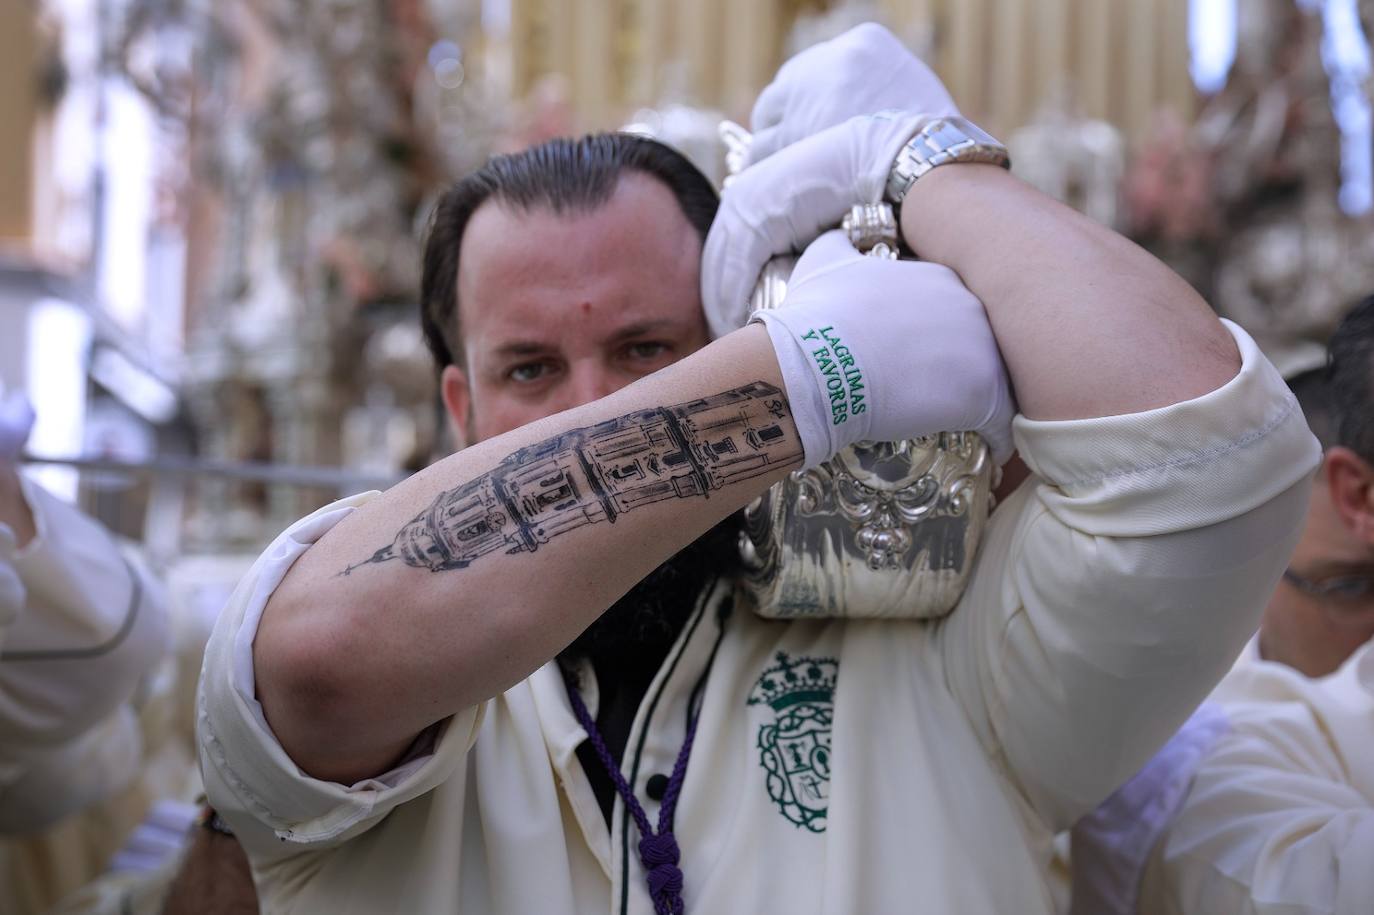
pixel 637 630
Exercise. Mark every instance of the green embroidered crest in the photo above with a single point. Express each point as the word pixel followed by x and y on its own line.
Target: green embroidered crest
pixel 794 749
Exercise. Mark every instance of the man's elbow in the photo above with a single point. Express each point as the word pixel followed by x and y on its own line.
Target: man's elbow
pixel 310 695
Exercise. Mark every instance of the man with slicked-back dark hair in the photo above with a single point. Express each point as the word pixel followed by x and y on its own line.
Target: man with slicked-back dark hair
pixel 561 176
pixel 519 681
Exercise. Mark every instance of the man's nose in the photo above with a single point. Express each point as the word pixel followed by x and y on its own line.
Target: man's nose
pixel 590 383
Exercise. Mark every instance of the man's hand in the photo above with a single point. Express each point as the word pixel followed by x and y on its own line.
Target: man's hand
pixel 863 71
pixel 826 132
pixel 873 349
pixel 214 879
pixel 784 202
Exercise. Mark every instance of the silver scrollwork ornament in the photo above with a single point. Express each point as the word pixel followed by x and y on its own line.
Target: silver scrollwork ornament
pixel 884 530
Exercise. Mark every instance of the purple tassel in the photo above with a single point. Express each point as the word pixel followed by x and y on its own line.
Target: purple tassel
pixel 658 852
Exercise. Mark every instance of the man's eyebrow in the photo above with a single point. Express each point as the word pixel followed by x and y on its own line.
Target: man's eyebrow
pixel 628 332
pixel 522 348
pixel 641 328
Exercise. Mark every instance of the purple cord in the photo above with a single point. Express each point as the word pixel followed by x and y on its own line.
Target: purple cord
pixel 658 852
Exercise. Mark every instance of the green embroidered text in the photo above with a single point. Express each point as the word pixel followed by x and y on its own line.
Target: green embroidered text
pixel 844 382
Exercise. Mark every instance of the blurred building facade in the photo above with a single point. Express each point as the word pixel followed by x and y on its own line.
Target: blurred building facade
pixel 89 260
pixel 1119 60
pixel 1245 201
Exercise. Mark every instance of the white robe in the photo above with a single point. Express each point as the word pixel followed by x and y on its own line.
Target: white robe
pixel 81 626
pixel 905 766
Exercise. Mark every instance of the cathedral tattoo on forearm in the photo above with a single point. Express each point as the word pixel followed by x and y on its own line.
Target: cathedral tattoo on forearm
pixel 597 473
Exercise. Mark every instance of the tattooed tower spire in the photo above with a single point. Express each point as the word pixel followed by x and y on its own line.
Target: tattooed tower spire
pixel 596 473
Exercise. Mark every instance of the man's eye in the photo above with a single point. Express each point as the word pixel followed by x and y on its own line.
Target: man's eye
pixel 649 349
pixel 528 371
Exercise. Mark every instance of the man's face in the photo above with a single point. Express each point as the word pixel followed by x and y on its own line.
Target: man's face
pixel 560 310
pixel 1316 634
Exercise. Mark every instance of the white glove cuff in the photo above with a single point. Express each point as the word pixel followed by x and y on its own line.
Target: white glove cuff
pixel 824 383
pixel 808 407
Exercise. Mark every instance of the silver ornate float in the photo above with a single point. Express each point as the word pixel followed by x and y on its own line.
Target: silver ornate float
pixel 883 529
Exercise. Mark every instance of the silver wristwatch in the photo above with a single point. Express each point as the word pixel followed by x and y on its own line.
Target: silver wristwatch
pixel 939 142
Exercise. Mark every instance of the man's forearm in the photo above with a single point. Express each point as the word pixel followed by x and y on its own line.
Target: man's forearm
pixel 464 579
pixel 1089 323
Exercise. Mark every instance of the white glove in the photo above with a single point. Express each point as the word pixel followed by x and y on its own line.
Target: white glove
pixel 879 350
pixel 781 204
pixel 16 420
pixel 863 71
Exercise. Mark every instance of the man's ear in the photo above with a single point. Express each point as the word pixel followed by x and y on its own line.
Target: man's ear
pixel 1350 482
pixel 457 395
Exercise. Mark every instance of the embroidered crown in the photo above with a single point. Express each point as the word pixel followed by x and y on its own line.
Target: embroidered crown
pixel 795 680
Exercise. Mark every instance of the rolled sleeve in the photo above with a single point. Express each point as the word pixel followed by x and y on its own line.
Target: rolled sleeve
pixel 1114 590
pixel 249 778
pixel 1179 467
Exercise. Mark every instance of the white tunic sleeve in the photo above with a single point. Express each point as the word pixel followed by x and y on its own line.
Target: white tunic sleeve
pixel 1116 586
pixel 80 626
pixel 275 808
pixel 1280 818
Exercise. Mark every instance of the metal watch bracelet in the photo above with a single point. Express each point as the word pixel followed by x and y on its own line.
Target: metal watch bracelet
pixel 939 142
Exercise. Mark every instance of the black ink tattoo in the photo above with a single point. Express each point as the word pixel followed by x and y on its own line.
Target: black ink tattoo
pixel 597 473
